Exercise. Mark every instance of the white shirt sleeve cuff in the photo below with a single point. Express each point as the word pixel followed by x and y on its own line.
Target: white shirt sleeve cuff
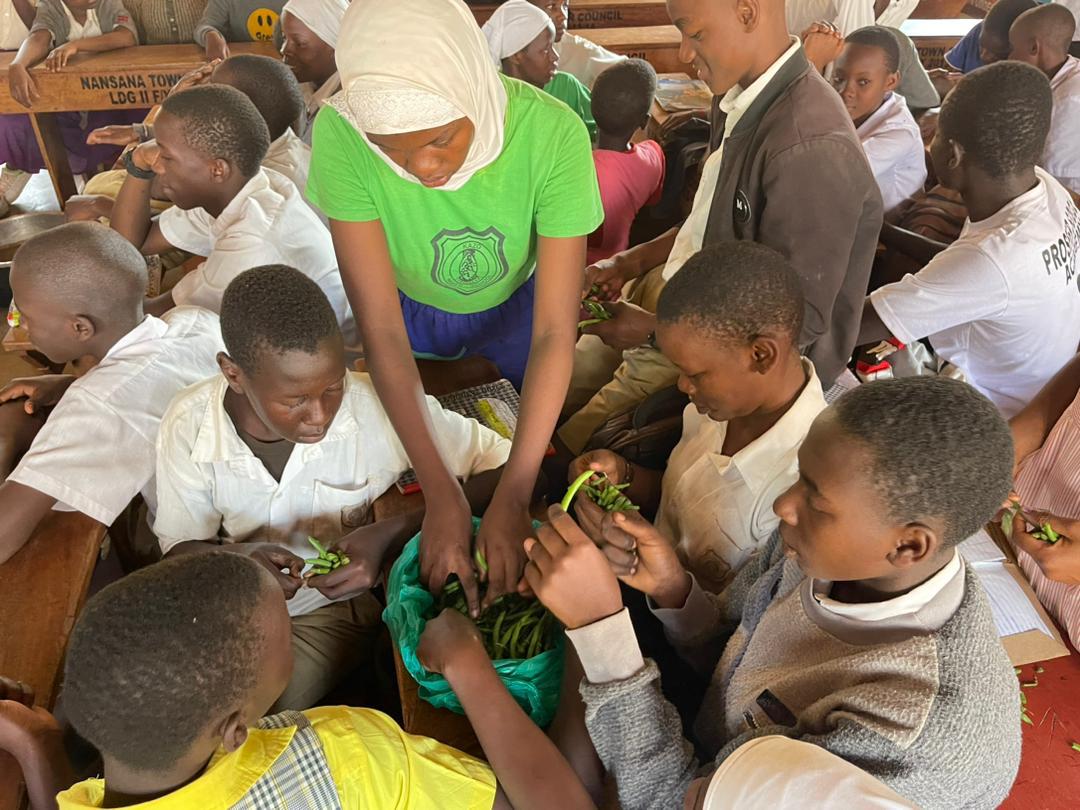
pixel 879 300
pixel 686 622
pixel 608 649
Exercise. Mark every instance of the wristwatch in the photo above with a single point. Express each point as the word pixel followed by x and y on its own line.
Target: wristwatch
pixel 135 171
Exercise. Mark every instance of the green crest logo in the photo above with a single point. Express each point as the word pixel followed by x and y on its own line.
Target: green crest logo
pixel 468 261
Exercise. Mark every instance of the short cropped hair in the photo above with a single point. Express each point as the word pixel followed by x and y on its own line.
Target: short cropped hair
pixel 221 122
pixel 876 36
pixel 938 449
pixel 1052 23
pixel 735 291
pixel 1003 14
pixel 1000 114
pixel 160 654
pixel 274 308
pixel 269 84
pixel 622 96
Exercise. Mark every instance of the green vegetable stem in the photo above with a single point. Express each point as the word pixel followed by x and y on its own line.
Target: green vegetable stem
pixel 606 495
pixel 327 560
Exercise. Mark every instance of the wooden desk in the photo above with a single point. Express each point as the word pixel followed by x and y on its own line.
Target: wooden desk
pixel 656 44
pixel 129 78
pixel 601 13
pixel 44 586
pixel 934 38
pixel 941 9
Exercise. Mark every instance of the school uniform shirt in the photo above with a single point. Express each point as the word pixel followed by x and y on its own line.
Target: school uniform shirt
pixel 329 757
pixel 896 13
pixel 210 483
pixel 894 146
pixel 12 29
pixel 166 22
pixel 628 182
pixel 964 55
pixel 96 451
pixel 846 15
pixel 290 156
pixel 717 509
pixel 1002 302
pixel 583 58
pixel 568 89
pixel 1061 157
pixel 267 222
pixel 56 18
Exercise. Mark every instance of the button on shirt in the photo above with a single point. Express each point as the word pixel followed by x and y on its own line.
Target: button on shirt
pixel 894 146
pixel 96 451
pixel 211 484
pixel 717 509
pixel 1061 157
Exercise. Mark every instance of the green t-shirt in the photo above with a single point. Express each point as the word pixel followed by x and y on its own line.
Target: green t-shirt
pixel 466 250
pixel 567 89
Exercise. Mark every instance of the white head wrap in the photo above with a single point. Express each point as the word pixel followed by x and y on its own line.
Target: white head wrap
pixel 323 17
pixel 513 26
pixel 408 65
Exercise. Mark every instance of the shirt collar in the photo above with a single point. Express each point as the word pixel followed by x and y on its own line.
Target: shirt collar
pixel 232 212
pixel 882 113
pixel 149 328
pixel 737 100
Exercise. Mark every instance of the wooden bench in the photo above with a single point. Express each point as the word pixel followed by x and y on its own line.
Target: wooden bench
pixel 934 38
pixel 656 44
pixel 44 586
pixel 128 78
pixel 600 13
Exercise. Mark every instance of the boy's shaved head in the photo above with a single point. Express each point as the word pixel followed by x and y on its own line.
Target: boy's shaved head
pixel 622 96
pixel 1053 25
pixel 270 85
pixel 220 122
pixel 85 268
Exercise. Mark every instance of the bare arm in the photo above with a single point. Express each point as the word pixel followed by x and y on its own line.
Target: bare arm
pixel 115 39
pixel 131 214
pixel 33 49
pixel 1033 424
pixel 17 432
pixel 25 10
pixel 23 508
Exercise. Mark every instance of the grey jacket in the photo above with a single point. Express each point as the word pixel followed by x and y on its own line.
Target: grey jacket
pixel 240 20
pixel 52 17
pixel 794 176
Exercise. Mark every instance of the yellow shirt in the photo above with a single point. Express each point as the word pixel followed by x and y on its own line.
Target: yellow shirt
pixel 373 762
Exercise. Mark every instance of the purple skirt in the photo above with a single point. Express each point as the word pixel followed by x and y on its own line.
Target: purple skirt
pixel 19 148
pixel 502 334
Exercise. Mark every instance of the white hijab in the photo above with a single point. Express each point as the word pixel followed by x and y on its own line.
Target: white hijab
pixel 408 65
pixel 323 17
pixel 513 26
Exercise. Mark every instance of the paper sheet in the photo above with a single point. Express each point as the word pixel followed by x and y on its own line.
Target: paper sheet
pixel 981 548
pixel 1013 612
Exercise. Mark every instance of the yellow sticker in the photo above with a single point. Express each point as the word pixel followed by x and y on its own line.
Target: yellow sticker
pixel 260 24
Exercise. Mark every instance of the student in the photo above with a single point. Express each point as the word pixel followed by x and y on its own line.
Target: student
pixel 166 22
pixel 985 301
pixel 209 144
pixel 631 175
pixel 729 321
pixel 866 76
pixel 309 31
pixel 61 28
pixel 16 17
pixel 79 289
pixel 226 21
pixel 521 38
pixel 285 443
pixel 988 42
pixel 578 56
pixel 790 174
pixel 460 202
pixel 1041 37
pixel 858 627
pixel 916 87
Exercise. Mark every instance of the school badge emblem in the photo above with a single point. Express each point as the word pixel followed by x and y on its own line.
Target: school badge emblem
pixel 468 261
pixel 741 208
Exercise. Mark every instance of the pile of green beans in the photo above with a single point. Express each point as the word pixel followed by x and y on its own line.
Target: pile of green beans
pixel 606 495
pixel 327 560
pixel 513 627
pixel 596 309
pixel 1045 532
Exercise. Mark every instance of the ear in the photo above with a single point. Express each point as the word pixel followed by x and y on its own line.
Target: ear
pixel 220 170
pixel 82 328
pixel 892 82
pixel 916 543
pixel 765 352
pixel 234 732
pixel 748 13
pixel 956 155
pixel 233 373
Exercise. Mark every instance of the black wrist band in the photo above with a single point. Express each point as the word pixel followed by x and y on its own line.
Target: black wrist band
pixel 135 171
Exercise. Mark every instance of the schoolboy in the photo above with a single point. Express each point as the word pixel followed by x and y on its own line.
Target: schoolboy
pixel 578 56
pixel 984 302
pixel 226 21
pixel 209 144
pixel 80 288
pixel 285 443
pixel 729 321
pixel 988 42
pixel 866 75
pixel 1041 37
pixel 858 627
pixel 631 175
pixel 203 641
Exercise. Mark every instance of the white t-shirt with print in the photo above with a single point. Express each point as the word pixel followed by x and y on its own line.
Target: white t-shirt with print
pixel 1002 302
pixel 894 146
pixel 1061 156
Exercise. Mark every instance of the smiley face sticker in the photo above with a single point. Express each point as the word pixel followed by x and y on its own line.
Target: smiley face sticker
pixel 260 24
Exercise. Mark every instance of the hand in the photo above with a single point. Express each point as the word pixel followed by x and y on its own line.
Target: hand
pixel 644 559
pixel 216 47
pixel 87 207
pixel 610 276
pixel 282 563
pixel 364 548
pixel 115 135
pixel 200 75
pixel 664 132
pixel 602 462
pixel 11 689
pixel 1060 561
pixel 629 327
pixel 446 548
pixel 569 574
pixel 822 43
pixel 40 393
pixel 22 85
pixel 448 640
pixel 59 56
pixel 145 155
pixel 503 528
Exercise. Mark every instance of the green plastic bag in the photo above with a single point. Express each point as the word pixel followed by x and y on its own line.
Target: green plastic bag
pixel 533 682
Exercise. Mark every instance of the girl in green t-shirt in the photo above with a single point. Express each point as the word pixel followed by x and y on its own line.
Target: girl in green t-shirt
pixel 447 186
pixel 521 38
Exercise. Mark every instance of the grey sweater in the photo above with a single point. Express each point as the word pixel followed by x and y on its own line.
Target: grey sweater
pixel 240 20
pixel 926 702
